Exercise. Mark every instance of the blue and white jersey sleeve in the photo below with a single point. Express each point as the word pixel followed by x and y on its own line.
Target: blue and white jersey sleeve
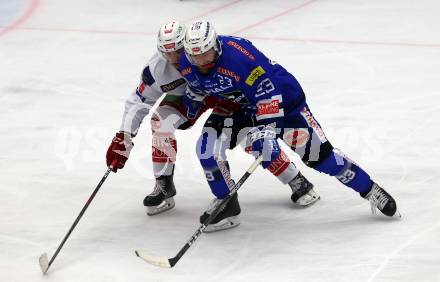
pixel 266 84
pixel 257 83
pixel 264 94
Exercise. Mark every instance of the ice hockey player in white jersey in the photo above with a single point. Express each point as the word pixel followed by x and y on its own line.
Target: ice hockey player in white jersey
pixel 160 77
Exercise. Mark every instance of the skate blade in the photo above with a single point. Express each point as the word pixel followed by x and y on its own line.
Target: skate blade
pixel 397 215
pixel 307 200
pixel 223 224
pixel 167 204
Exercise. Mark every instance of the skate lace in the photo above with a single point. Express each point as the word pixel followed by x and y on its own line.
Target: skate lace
pixel 378 199
pixel 159 188
pixel 296 184
pixel 213 205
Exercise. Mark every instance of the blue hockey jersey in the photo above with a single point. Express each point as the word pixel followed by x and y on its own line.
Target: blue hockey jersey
pixel 245 75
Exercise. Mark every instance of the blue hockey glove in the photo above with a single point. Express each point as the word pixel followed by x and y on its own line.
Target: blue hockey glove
pixel 192 107
pixel 263 141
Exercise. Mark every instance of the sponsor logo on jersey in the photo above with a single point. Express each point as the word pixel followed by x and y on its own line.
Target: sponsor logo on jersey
pixel 296 137
pixel 255 74
pixel 228 73
pixel 241 49
pixel 311 122
pixel 172 85
pixel 186 71
pixel 280 164
pixel 270 108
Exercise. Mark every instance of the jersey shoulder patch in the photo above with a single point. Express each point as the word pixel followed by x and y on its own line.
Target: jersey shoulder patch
pixel 254 75
pixel 240 48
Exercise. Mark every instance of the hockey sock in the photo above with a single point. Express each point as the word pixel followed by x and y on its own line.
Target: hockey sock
pixel 346 171
pixel 164 150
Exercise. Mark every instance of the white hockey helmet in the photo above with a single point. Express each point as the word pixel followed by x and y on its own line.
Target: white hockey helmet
pixel 170 37
pixel 200 37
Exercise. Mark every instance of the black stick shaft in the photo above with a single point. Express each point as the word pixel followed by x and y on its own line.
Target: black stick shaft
pixel 223 203
pixel 80 215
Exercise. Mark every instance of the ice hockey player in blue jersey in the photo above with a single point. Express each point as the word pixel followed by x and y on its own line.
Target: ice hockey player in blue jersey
pixel 162 81
pixel 232 68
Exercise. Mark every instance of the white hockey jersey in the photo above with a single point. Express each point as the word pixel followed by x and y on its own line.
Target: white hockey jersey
pixel 158 77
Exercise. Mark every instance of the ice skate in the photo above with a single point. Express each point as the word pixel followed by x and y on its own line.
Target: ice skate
pixel 227 218
pixel 381 200
pixel 302 191
pixel 161 199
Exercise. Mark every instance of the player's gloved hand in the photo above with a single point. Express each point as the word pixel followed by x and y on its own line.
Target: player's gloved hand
pixel 263 142
pixel 193 101
pixel 192 107
pixel 118 151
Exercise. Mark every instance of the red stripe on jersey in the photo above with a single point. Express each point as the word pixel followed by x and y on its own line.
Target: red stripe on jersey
pixel 141 87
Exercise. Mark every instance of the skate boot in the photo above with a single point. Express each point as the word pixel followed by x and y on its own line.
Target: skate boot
pixel 381 200
pixel 161 199
pixel 302 191
pixel 227 218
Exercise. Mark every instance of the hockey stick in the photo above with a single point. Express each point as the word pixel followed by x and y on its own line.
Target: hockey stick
pixel 44 262
pixel 170 262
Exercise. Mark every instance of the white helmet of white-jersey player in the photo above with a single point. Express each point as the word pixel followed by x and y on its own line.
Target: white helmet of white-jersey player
pixel 200 37
pixel 171 37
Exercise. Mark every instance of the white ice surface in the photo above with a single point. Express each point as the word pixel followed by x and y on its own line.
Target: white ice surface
pixel 371 72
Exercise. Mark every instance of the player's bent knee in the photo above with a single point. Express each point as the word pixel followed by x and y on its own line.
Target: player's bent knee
pixel 166 120
pixel 334 164
pixel 313 159
pixel 155 122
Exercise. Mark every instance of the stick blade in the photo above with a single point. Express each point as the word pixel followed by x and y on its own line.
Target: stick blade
pixel 157 261
pixel 44 263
